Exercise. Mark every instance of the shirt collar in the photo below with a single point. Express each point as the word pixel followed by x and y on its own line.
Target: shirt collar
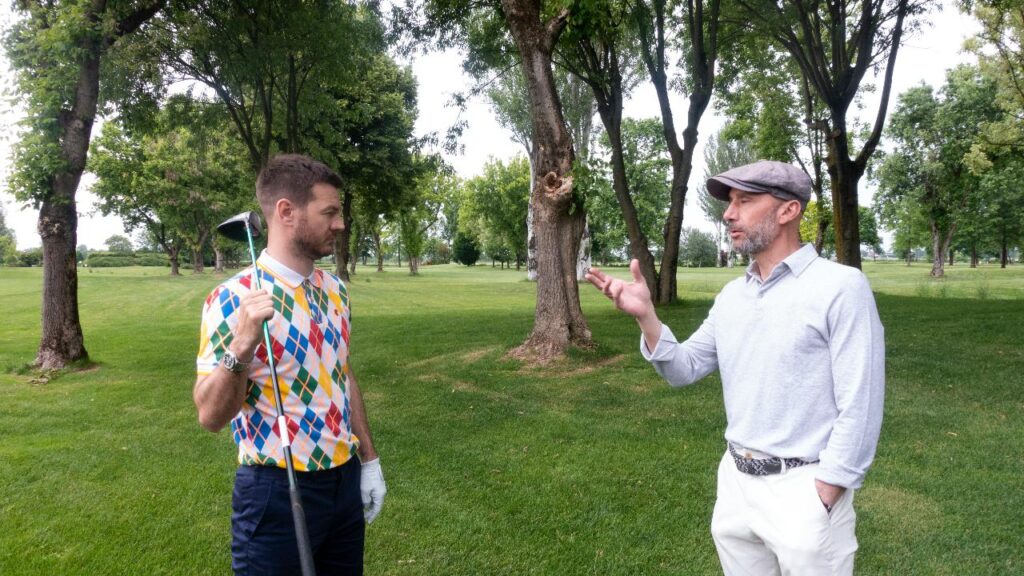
pixel 796 262
pixel 289 276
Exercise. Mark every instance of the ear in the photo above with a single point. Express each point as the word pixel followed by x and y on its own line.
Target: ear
pixel 789 212
pixel 285 211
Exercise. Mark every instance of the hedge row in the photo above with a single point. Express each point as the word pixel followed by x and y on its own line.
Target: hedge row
pixel 117 259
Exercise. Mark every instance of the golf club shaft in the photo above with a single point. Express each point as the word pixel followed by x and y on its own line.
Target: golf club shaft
pixel 298 514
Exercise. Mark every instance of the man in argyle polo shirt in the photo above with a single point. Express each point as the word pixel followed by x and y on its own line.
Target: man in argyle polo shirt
pixel 308 314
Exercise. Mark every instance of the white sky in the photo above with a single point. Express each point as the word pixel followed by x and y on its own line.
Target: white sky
pixel 923 58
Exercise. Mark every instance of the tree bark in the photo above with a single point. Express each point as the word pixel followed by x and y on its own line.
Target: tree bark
pixel 376 248
pixel 343 241
pixel 197 261
pixel 940 247
pixel 974 255
pixel 218 259
pixel 559 215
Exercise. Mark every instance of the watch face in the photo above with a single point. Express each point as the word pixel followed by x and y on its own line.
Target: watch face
pixel 230 362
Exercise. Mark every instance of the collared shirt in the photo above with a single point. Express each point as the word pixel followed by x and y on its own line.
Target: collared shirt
pixel 802 360
pixel 309 335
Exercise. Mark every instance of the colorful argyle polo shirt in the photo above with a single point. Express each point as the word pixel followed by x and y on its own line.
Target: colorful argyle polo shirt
pixel 309 335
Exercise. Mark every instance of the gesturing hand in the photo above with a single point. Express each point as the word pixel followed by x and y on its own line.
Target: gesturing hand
pixel 633 298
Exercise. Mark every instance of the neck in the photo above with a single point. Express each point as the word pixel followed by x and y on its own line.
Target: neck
pixel 778 251
pixel 285 253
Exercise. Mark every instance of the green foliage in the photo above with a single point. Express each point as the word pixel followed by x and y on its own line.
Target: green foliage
pixel 648 171
pixel 120 259
pixel 48 48
pixel 8 243
pixel 697 249
pixel 928 170
pixel 178 180
pixel 434 188
pixel 28 257
pixel 118 243
pixel 493 208
pixel 465 250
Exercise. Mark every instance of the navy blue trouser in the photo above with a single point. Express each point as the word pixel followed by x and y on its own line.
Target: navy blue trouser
pixel 263 530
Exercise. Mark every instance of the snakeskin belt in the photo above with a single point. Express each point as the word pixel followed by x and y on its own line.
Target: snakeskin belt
pixel 764 466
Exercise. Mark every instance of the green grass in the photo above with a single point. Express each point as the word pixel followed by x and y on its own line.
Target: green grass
pixel 590 466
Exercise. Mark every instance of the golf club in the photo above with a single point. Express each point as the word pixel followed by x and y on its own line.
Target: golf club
pixel 243 227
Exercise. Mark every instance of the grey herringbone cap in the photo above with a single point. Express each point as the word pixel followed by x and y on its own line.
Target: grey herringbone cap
pixel 779 179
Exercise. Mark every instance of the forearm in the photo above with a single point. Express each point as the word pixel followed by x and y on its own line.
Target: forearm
pixel 650 325
pixel 218 397
pixel 360 424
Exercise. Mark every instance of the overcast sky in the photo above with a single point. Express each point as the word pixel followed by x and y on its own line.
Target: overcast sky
pixel 923 58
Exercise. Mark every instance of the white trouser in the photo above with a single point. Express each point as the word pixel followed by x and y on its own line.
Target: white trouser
pixel 777 526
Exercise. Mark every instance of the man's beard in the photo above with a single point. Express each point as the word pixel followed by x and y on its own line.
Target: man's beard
pixel 312 247
pixel 758 237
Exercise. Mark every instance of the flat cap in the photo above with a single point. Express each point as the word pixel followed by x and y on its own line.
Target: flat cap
pixel 779 179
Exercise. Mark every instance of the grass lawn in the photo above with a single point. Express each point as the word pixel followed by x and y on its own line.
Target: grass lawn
pixel 589 466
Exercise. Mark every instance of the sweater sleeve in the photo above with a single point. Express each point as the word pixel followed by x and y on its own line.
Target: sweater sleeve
pixel 684 363
pixel 857 350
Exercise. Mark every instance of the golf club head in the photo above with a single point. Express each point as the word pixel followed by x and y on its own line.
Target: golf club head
pixel 234 227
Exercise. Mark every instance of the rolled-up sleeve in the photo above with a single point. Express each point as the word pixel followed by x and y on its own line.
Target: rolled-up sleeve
pixel 686 362
pixel 857 349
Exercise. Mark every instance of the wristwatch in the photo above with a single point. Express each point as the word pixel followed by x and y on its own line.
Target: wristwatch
pixel 232 364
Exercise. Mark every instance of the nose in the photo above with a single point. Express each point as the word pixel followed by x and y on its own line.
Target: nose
pixel 730 212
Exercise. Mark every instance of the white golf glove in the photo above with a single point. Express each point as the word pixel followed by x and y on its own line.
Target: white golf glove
pixel 372 489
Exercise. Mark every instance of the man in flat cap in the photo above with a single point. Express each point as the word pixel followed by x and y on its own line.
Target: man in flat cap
pixel 799 347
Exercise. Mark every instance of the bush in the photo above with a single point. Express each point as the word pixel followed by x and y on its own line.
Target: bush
pixel 465 251
pixel 120 259
pixel 152 259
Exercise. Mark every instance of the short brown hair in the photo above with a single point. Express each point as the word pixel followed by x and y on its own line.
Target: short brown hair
pixel 291 176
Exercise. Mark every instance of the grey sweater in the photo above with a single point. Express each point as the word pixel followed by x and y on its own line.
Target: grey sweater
pixel 802 360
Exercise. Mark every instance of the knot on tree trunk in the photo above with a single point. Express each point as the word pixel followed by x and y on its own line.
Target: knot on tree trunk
pixel 557 189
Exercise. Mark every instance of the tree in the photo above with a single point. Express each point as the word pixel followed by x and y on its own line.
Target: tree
pixel 434 187
pixel 934 136
pixel 178 181
pixel 510 102
pixel 559 214
pixel 698 249
pixel 118 243
pixel 702 42
pixel 494 207
pixel 59 52
pixel 465 250
pixel 834 44
pixel 8 244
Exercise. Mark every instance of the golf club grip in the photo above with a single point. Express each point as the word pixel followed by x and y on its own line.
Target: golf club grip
pixel 301 535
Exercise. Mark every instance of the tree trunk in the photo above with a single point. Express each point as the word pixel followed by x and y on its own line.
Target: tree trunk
pixel 559 216
pixel 940 247
pixel 376 246
pixel 197 261
pixel 1004 251
pixel 702 30
pixel 974 255
pixel 845 176
pixel 218 259
pixel 610 109
pixel 61 341
pixel 343 241
pixel 172 257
